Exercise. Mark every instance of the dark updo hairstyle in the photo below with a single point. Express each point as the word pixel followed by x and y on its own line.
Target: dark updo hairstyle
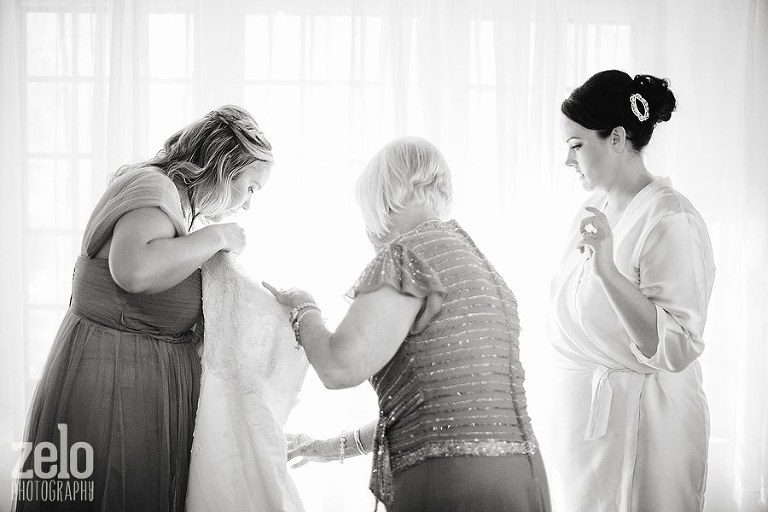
pixel 603 102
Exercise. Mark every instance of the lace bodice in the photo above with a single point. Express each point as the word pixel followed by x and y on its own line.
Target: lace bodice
pixel 252 346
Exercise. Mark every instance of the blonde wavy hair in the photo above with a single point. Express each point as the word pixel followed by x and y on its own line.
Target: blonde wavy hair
pixel 407 172
pixel 204 157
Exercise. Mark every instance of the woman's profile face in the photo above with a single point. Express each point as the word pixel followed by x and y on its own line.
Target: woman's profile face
pixel 251 178
pixel 588 154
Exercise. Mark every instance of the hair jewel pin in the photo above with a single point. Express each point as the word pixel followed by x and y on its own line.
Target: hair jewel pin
pixel 641 116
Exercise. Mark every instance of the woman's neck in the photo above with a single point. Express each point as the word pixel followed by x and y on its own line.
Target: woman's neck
pixel 405 220
pixel 632 180
pixel 186 208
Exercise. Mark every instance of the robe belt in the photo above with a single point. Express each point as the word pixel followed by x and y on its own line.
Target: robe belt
pixel 602 396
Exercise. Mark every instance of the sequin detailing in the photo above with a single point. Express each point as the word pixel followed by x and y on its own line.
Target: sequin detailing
pixel 455 386
pixel 460 449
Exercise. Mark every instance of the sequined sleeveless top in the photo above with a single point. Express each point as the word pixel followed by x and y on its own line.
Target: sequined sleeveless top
pixel 455 386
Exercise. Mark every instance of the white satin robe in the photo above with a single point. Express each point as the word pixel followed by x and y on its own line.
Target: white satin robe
pixel 634 430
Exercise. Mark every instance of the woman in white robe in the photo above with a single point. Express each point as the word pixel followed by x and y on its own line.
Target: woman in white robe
pixel 630 304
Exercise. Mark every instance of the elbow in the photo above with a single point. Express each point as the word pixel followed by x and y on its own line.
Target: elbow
pixel 131 280
pixel 132 286
pixel 340 368
pixel 678 368
pixel 680 364
pixel 334 384
pixel 681 350
pixel 340 378
pixel 673 357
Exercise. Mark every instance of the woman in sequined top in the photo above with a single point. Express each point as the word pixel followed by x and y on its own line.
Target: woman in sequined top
pixel 435 329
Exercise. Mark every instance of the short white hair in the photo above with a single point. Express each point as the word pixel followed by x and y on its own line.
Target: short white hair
pixel 407 172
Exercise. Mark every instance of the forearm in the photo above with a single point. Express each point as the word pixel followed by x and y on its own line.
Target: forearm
pixel 367 434
pixel 368 336
pixel 351 449
pixel 164 262
pixel 636 313
pixel 322 351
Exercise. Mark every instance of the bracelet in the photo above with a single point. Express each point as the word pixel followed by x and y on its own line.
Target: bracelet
pixel 297 314
pixel 342 446
pixel 304 312
pixel 298 309
pixel 359 443
pixel 297 335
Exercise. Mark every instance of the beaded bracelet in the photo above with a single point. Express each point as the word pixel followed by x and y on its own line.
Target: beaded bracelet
pixel 342 446
pixel 359 443
pixel 298 309
pixel 297 314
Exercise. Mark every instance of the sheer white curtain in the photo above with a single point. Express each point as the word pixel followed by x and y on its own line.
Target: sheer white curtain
pixel 88 85
pixel 12 351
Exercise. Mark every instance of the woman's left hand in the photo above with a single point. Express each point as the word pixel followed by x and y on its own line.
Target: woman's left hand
pixel 597 240
pixel 289 298
pixel 310 449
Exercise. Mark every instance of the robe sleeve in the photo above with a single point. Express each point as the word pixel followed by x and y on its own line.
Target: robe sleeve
pixel 676 275
pixel 398 267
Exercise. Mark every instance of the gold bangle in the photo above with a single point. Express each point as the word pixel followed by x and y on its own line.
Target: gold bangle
pixel 359 442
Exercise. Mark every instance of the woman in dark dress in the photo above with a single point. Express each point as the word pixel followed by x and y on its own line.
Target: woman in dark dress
pixel 123 372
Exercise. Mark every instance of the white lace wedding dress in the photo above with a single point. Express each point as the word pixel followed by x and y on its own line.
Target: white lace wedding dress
pixel 252 373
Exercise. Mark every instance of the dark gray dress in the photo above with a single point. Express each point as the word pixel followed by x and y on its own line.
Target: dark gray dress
pixel 123 373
